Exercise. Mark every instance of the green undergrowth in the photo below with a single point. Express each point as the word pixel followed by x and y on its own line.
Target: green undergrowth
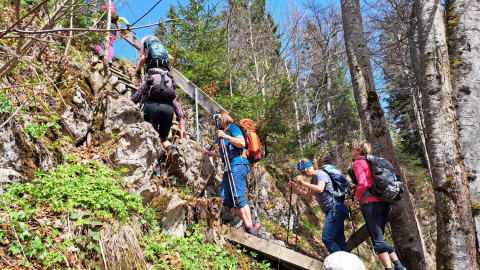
pixel 187 253
pixel 59 219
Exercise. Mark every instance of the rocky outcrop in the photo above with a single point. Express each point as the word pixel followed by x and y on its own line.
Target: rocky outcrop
pixel 20 153
pixel 9 151
pixel 130 142
pixel 118 112
pixel 171 212
pixel 194 169
pixel 75 105
pixel 77 117
pixel 10 176
pixel 137 148
pixel 264 196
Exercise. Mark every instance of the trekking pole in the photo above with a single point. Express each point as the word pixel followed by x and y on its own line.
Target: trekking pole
pixel 290 202
pixel 350 217
pixel 297 218
pixel 228 170
pixel 226 161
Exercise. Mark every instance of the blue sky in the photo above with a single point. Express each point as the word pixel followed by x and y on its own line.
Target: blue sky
pixel 134 9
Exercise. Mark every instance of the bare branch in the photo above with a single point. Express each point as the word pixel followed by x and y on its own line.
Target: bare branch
pixel 36 32
pixel 21 19
pixel 11 116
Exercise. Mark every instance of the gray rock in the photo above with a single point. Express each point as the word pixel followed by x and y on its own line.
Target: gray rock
pixel 118 113
pixel 9 152
pixel 264 197
pixel 10 176
pixel 77 118
pixel 194 168
pixel 137 148
pixel 173 220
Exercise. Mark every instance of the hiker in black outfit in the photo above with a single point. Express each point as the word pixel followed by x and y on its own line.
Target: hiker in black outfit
pixel 375 211
pixel 158 93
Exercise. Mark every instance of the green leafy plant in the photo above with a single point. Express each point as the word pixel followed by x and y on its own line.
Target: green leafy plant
pixel 5 104
pixel 36 129
pixel 187 253
pixel 85 193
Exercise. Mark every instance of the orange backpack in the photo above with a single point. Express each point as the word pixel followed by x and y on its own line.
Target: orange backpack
pixel 252 140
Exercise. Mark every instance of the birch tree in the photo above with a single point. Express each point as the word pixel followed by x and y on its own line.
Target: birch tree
pixel 455 230
pixel 464 51
pixel 406 230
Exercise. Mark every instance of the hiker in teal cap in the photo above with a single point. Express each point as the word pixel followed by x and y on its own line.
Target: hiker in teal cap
pixel 321 187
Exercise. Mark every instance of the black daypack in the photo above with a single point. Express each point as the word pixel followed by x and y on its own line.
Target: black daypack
pixel 160 86
pixel 386 180
pixel 341 186
pixel 156 55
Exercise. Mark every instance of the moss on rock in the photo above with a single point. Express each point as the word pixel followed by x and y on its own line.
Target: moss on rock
pixel 160 204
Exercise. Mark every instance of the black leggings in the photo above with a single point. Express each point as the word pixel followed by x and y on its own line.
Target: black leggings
pixel 376 216
pixel 160 115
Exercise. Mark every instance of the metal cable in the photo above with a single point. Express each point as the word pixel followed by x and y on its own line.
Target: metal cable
pixel 144 14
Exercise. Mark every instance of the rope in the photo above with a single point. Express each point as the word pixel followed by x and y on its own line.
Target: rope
pixel 144 14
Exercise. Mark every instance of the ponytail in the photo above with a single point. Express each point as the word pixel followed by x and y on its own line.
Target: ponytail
pixel 364 147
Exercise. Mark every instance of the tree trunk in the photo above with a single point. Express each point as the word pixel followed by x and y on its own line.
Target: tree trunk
pixel 406 230
pixel 416 95
pixel 455 230
pixel 464 51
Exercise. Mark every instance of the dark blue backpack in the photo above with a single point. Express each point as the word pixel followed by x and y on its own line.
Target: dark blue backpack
pixel 341 186
pixel 156 55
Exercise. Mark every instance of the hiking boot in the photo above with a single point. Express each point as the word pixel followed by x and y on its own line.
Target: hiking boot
pixel 398 265
pixel 251 231
pixel 157 170
pixel 172 156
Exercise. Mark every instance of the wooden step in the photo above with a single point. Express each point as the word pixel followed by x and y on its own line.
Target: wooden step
pixel 272 250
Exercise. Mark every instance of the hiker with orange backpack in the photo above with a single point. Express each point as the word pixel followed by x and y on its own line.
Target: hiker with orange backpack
pixel 231 141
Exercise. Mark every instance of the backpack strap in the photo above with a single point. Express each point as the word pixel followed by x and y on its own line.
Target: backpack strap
pixel 163 84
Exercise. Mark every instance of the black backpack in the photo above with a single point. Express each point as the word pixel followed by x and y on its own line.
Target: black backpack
pixel 341 186
pixel 156 55
pixel 386 180
pixel 160 86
